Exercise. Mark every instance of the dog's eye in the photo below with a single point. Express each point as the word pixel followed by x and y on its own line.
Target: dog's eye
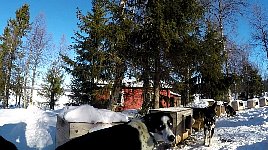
pixel 161 127
pixel 169 123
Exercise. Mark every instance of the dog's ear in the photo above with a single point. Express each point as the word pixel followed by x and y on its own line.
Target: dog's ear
pixel 214 105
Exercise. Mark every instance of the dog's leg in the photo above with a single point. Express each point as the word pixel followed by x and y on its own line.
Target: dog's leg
pixel 212 131
pixel 205 138
pixel 210 135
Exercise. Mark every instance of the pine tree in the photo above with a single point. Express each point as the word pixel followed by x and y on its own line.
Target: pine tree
pixel 251 81
pixel 52 88
pixel 211 62
pixel 166 28
pixel 120 28
pixel 90 66
pixel 11 42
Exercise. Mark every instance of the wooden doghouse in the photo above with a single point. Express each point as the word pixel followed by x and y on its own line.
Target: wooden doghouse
pixel 238 105
pixel 263 101
pixel 210 101
pixel 67 130
pixel 220 109
pixel 198 116
pixel 182 121
pixel 253 103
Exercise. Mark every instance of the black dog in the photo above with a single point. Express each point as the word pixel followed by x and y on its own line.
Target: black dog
pixel 134 135
pixel 229 110
pixel 7 145
pixel 209 122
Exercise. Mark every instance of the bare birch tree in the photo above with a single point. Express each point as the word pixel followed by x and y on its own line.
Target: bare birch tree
pixel 38 43
pixel 259 24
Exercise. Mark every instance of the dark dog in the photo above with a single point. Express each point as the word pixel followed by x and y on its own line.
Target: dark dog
pixel 229 110
pixel 134 135
pixel 7 145
pixel 209 123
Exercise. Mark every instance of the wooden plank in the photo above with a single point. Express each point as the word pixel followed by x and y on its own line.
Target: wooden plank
pixel 78 129
pixel 68 130
pixel 62 131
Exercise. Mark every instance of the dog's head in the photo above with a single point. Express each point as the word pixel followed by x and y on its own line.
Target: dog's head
pixel 160 125
pixel 210 118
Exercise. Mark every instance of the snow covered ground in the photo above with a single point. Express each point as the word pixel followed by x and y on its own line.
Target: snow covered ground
pixel 246 131
pixel 34 128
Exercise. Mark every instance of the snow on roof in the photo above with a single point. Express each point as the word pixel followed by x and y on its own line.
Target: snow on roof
pixel 208 100
pixel 238 100
pixel 133 82
pixel 173 93
pixel 253 99
pixel 198 103
pixel 87 113
pixel 172 109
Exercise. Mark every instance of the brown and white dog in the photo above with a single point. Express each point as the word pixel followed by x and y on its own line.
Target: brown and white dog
pixel 140 134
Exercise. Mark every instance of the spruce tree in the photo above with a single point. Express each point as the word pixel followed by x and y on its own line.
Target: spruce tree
pixel 52 88
pixel 11 42
pixel 210 66
pixel 89 67
pixel 167 25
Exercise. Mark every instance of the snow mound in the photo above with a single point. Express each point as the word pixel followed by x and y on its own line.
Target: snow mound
pixel 89 114
pixel 37 128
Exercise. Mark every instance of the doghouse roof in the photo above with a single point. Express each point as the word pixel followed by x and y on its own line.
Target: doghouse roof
pixel 254 99
pixel 173 109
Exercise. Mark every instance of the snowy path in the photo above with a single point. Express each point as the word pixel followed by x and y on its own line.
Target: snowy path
pixel 246 131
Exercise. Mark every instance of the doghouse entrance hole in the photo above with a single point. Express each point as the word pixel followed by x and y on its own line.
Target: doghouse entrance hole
pixel 188 122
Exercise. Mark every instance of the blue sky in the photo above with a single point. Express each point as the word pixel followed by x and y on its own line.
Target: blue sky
pixel 60 14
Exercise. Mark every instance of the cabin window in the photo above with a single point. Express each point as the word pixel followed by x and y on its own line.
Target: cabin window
pixel 148 95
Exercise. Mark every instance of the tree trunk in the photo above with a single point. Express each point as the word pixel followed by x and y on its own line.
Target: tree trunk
pixel 157 84
pixel 25 103
pixel 52 101
pixel 19 99
pixel 8 76
pixel 117 87
pixel 146 86
pixel 33 82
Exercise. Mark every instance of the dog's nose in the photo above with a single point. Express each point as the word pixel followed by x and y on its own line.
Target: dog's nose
pixel 171 138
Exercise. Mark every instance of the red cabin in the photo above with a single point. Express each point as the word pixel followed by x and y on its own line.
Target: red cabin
pixel 132 98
